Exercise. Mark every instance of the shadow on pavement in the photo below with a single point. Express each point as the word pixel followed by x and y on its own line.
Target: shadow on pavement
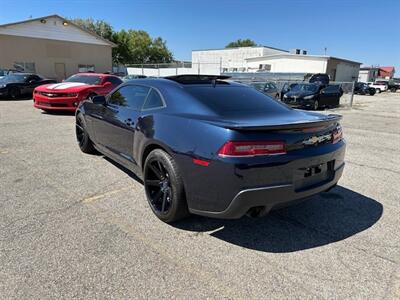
pixel 21 98
pixel 58 113
pixel 321 220
pixel 123 169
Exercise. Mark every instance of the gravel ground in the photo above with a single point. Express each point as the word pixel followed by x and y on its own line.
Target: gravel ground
pixel 76 225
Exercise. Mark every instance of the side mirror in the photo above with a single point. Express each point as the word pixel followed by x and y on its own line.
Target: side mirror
pixel 99 100
pixel 107 84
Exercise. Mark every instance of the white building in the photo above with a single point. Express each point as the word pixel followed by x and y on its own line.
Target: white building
pixel 231 59
pixel 260 58
pixel 338 69
pixel 368 74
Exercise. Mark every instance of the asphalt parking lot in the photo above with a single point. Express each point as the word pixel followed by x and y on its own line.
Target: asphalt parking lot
pixel 75 225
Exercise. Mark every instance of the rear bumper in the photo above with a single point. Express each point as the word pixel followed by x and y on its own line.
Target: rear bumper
pixel 59 104
pixel 269 197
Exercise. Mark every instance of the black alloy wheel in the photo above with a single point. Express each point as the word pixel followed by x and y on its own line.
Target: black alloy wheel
pixel 159 187
pixel 164 187
pixel 84 142
pixel 91 96
pixel 14 93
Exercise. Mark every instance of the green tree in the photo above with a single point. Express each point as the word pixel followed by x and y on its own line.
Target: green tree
pixel 241 43
pixel 132 46
pixel 137 47
pixel 100 27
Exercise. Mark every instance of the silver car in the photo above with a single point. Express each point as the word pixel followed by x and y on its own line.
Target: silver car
pixel 267 88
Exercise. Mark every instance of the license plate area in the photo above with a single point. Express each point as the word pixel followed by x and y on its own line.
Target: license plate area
pixel 313 176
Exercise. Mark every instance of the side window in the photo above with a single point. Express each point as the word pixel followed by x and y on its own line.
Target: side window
pixel 153 100
pixel 131 96
pixel 114 80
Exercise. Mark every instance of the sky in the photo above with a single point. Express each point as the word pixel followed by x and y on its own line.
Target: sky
pixel 366 31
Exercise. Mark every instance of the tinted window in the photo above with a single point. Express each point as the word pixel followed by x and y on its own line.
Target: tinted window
pixel 225 99
pixel 258 86
pixel 114 80
pixel 130 96
pixel 88 79
pixel 153 100
pixel 304 88
pixel 15 78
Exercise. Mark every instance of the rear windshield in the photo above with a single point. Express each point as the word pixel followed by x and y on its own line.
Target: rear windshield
pixel 225 99
pixel 88 79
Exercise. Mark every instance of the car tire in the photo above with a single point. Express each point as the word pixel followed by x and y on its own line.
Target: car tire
pixel 82 136
pixel 91 95
pixel 164 187
pixel 316 105
pixel 371 93
pixel 393 90
pixel 378 91
pixel 14 93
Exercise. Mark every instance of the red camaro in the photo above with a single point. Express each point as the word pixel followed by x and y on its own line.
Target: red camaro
pixel 67 95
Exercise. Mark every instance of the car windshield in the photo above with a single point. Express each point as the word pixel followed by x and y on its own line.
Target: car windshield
pixel 226 99
pixel 304 88
pixel 14 78
pixel 87 79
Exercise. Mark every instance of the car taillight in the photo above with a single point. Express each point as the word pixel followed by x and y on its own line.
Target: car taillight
pixel 337 134
pixel 252 148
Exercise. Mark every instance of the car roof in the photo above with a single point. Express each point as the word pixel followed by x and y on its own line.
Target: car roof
pixel 94 74
pixel 166 82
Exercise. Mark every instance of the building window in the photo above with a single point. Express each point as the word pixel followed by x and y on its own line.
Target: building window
pixel 265 67
pixel 25 67
pixel 85 68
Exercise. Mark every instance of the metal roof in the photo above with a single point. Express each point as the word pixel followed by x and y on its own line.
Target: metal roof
pixel 290 55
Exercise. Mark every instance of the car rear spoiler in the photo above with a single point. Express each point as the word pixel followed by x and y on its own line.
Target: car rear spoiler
pixel 331 119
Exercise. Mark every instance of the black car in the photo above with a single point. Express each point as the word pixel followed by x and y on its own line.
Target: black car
pixel 16 85
pixel 286 88
pixel 212 147
pixel 319 78
pixel 362 88
pixel 313 96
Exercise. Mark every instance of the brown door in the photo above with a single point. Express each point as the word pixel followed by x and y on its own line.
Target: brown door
pixel 60 71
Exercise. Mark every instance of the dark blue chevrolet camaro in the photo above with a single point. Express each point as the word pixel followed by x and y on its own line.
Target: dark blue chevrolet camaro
pixel 208 146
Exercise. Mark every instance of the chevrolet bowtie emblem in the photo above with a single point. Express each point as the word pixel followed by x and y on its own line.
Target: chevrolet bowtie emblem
pixel 317 139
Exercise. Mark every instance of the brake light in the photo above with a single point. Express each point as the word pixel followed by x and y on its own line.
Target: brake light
pixel 252 148
pixel 337 134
